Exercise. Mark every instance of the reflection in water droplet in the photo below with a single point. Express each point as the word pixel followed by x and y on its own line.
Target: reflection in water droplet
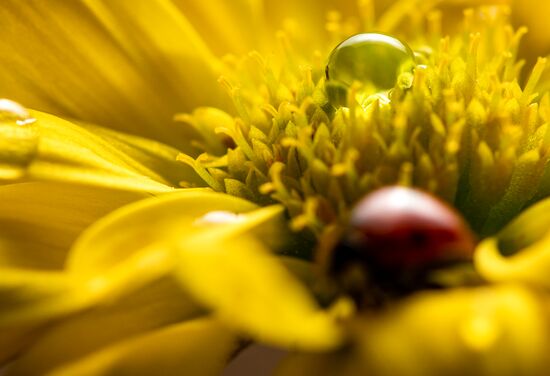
pixel 219 217
pixel 381 99
pixel 372 59
pixel 13 111
pixel 26 121
pixel 19 143
pixel 479 332
pixel 423 55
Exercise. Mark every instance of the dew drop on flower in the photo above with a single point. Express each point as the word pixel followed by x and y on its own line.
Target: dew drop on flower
pixel 423 55
pixel 20 141
pixel 219 217
pixel 11 111
pixel 375 60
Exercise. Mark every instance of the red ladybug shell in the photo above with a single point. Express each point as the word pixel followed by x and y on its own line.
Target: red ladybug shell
pixel 405 228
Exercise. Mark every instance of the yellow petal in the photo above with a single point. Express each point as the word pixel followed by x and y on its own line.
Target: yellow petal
pixel 520 252
pixel 485 331
pixel 152 157
pixel 531 265
pixel 123 64
pixel 308 18
pixel 227 26
pixel 12 341
pixel 39 221
pixel 135 227
pixel 30 297
pixel 27 299
pixel 250 290
pixel 133 246
pixel 199 347
pixel 159 304
pixel 122 254
pixel 63 151
pixel 532 13
pixel 201 232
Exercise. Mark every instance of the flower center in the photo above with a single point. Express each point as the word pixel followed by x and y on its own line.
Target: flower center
pixel 463 127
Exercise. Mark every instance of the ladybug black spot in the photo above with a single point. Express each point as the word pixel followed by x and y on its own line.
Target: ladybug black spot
pixel 418 238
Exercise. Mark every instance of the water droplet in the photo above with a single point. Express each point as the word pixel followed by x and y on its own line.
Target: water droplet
pixel 13 111
pixel 380 99
pixel 423 55
pixel 375 60
pixel 219 217
pixel 25 121
pixel 19 143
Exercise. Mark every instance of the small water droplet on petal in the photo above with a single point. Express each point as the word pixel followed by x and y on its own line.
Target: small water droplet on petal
pixel 219 217
pixel 11 111
pixel 25 121
pixel 19 142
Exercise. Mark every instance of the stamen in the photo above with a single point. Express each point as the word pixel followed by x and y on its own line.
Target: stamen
pixel 459 126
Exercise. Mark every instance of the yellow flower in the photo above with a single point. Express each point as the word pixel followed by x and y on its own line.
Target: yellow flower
pixel 168 248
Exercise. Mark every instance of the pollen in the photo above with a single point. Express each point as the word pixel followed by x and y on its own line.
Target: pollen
pixel 462 125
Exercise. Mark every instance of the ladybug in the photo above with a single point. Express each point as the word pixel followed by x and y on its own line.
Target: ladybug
pixel 395 235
